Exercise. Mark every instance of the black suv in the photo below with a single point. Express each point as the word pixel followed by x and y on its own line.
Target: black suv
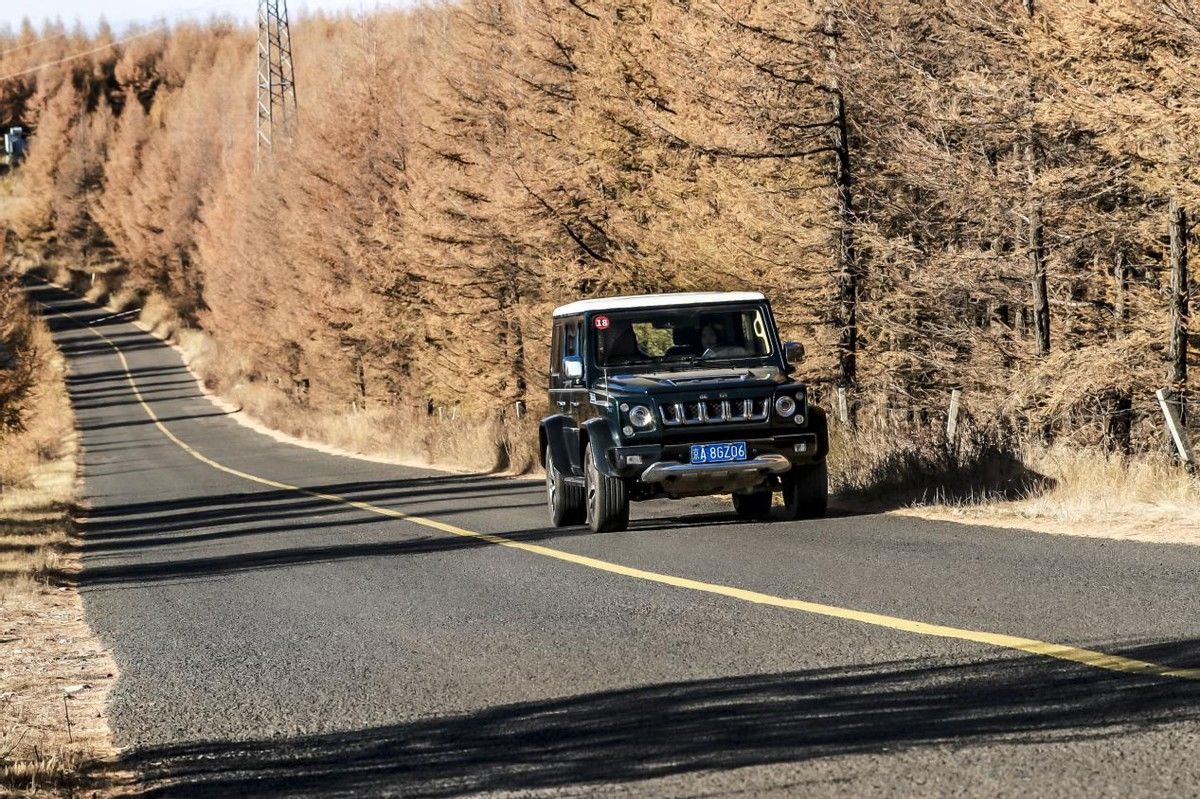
pixel 677 395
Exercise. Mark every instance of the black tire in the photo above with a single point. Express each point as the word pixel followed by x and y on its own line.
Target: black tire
pixel 753 506
pixel 806 491
pixel 565 499
pixel 606 498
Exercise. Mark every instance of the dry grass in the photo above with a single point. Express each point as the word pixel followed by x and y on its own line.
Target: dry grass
pixel 886 467
pixel 159 317
pixel 98 281
pixel 1091 492
pixel 12 205
pixel 988 481
pixel 54 674
pixel 387 434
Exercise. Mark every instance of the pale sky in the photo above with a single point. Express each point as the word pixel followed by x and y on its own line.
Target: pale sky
pixel 120 13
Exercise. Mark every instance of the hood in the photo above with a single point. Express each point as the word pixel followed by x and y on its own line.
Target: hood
pixel 725 377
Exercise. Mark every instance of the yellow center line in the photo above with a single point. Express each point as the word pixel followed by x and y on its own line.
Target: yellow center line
pixel 1087 657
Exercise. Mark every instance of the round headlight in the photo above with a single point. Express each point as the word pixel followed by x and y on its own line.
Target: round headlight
pixel 785 406
pixel 640 416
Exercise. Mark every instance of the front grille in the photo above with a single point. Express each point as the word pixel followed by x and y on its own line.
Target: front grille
pixel 715 411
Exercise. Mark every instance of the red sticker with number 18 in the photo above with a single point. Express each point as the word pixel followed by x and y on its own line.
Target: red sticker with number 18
pixel 601 322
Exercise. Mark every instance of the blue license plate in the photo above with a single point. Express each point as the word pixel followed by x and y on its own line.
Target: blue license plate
pixel 719 453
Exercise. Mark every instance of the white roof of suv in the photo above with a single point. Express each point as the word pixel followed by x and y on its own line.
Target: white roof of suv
pixel 656 301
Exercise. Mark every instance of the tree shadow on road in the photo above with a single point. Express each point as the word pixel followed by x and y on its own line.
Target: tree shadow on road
pixel 119 379
pixel 282 528
pixel 278 528
pixel 681 728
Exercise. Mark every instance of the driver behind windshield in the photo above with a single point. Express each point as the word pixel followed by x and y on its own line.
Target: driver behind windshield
pixel 714 343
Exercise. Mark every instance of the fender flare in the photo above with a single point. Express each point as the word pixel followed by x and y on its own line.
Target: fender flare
pixel 818 422
pixel 599 434
pixel 550 434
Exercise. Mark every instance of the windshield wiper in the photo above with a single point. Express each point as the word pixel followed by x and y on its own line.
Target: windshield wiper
pixel 690 362
pixel 728 360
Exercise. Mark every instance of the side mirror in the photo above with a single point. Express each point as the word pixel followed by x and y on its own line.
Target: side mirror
pixel 793 353
pixel 573 367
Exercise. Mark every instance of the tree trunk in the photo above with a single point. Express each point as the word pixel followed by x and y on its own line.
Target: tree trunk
pixel 509 299
pixel 1036 235
pixel 1120 300
pixel 360 378
pixel 846 267
pixel 1118 418
pixel 1037 255
pixel 1179 304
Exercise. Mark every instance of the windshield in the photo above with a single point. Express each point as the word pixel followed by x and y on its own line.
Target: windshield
pixel 680 336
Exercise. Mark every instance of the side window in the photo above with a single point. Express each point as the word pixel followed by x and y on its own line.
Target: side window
pixel 556 349
pixel 571 344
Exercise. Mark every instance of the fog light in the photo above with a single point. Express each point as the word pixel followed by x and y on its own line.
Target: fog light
pixel 633 460
pixel 785 406
pixel 799 418
pixel 801 447
pixel 627 430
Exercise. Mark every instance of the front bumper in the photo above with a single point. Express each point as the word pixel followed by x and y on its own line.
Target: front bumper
pixel 667 468
pixel 663 472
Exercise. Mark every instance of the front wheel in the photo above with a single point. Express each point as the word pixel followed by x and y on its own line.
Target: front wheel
pixel 806 491
pixel 565 500
pixel 755 506
pixel 607 498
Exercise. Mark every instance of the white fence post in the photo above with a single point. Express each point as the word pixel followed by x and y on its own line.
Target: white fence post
pixel 843 406
pixel 1178 433
pixel 952 419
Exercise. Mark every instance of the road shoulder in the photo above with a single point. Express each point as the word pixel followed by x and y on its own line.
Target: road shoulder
pixel 55 675
pixel 1156 525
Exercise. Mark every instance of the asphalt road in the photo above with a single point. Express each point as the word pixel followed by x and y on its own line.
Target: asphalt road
pixel 278 642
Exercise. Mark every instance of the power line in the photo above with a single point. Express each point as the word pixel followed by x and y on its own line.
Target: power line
pixel 33 44
pixel 85 53
pixel 164 25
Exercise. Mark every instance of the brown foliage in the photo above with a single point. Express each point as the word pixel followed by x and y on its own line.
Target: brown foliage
pixel 18 357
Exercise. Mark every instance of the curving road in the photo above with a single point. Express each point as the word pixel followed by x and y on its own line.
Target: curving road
pixel 291 623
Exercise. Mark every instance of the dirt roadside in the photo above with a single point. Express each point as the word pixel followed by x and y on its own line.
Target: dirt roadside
pixel 55 675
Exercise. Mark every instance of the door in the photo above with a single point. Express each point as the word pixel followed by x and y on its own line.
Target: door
pixel 575 387
pixel 568 394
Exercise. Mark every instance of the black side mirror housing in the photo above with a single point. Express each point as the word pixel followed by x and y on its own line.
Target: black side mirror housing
pixel 793 353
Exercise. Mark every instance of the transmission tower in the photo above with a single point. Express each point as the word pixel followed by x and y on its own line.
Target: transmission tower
pixel 276 81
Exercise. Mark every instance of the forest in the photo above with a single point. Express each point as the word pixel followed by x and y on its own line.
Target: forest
pixel 993 197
